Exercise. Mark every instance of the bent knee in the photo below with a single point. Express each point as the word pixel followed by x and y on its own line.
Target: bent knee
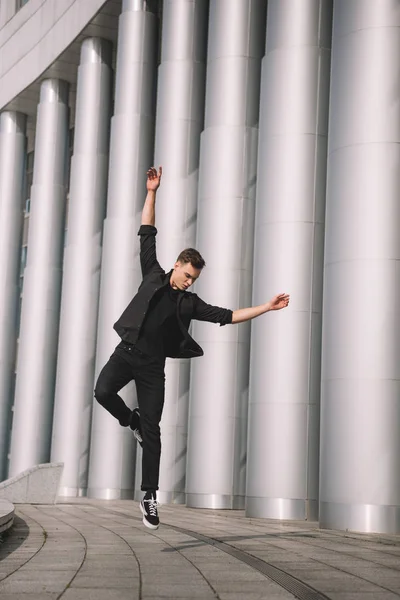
pixel 101 393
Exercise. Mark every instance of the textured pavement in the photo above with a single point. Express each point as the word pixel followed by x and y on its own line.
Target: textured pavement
pixel 86 549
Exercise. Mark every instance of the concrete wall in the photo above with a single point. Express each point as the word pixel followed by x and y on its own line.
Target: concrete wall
pixel 7 10
pixel 37 34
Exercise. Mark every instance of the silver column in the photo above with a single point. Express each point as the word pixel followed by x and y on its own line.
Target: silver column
pixel 180 119
pixel 112 450
pixel 228 161
pixel 360 442
pixel 82 257
pixel 34 394
pixel 12 163
pixel 282 481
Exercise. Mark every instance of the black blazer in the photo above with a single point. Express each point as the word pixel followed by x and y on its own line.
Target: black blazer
pixel 189 305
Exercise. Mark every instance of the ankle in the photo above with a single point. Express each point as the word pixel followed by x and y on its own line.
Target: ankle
pixel 150 494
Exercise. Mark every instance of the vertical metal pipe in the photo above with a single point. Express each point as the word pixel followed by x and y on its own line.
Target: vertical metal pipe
pixel 228 161
pixel 37 352
pixel 360 416
pixel 180 120
pixel 283 448
pixel 12 163
pixel 82 258
pixel 112 449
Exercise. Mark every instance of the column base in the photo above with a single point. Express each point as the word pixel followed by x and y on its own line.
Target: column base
pixel 215 501
pixel 110 494
pixel 282 509
pixel 365 518
pixel 164 497
pixel 171 497
pixel 70 492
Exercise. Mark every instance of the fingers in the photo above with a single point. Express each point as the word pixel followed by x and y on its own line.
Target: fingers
pixel 283 300
pixel 152 173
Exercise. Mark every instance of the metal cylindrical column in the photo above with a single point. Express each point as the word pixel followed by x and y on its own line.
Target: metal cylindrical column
pixel 228 162
pixel 112 450
pixel 82 257
pixel 37 352
pixel 360 412
pixel 12 162
pixel 282 462
pixel 180 119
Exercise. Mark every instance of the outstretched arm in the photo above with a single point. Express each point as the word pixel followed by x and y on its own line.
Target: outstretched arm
pixel 245 314
pixel 149 208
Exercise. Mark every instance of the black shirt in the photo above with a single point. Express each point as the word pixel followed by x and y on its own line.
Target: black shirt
pixel 160 323
pixel 188 306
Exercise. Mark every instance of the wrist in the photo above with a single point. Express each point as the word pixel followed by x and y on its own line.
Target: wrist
pixel 267 307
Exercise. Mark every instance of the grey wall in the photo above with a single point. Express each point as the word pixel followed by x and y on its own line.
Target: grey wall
pixel 35 37
pixel 7 11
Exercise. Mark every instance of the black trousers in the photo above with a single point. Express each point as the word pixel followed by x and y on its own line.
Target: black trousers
pixel 126 364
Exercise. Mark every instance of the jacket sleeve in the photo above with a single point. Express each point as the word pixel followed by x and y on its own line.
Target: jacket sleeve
pixel 213 314
pixel 148 255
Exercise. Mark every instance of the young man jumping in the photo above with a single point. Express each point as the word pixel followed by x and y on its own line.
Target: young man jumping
pixel 155 326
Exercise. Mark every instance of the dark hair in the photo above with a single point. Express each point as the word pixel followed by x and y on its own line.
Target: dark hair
pixel 192 256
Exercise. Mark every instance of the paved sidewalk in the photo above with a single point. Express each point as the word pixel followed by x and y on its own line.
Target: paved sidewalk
pixel 99 550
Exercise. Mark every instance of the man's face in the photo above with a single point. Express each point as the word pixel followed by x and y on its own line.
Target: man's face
pixel 184 275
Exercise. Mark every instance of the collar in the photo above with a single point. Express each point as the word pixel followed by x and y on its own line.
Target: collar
pixel 167 278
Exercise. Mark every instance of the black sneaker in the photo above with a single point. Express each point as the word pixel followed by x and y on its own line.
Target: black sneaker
pixel 148 506
pixel 135 426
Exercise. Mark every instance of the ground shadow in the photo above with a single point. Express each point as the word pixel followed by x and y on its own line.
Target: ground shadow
pixel 13 538
pixel 240 538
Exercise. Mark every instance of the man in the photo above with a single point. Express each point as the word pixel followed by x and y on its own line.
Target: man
pixel 153 326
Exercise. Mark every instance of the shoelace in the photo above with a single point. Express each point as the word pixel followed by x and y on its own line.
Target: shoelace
pixel 152 506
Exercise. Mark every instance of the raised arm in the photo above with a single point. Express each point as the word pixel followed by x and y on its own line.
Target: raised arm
pixel 149 208
pixel 245 314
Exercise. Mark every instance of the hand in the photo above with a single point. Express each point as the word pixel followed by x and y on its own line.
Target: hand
pixel 278 302
pixel 153 179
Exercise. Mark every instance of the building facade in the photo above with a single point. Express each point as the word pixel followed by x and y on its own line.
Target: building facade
pixel 277 124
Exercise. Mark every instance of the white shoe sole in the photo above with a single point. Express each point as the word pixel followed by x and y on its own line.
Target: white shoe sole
pixel 137 437
pixel 145 522
pixel 136 433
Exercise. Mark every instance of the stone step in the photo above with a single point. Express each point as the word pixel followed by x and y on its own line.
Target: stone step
pixel 6 515
pixel 37 485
